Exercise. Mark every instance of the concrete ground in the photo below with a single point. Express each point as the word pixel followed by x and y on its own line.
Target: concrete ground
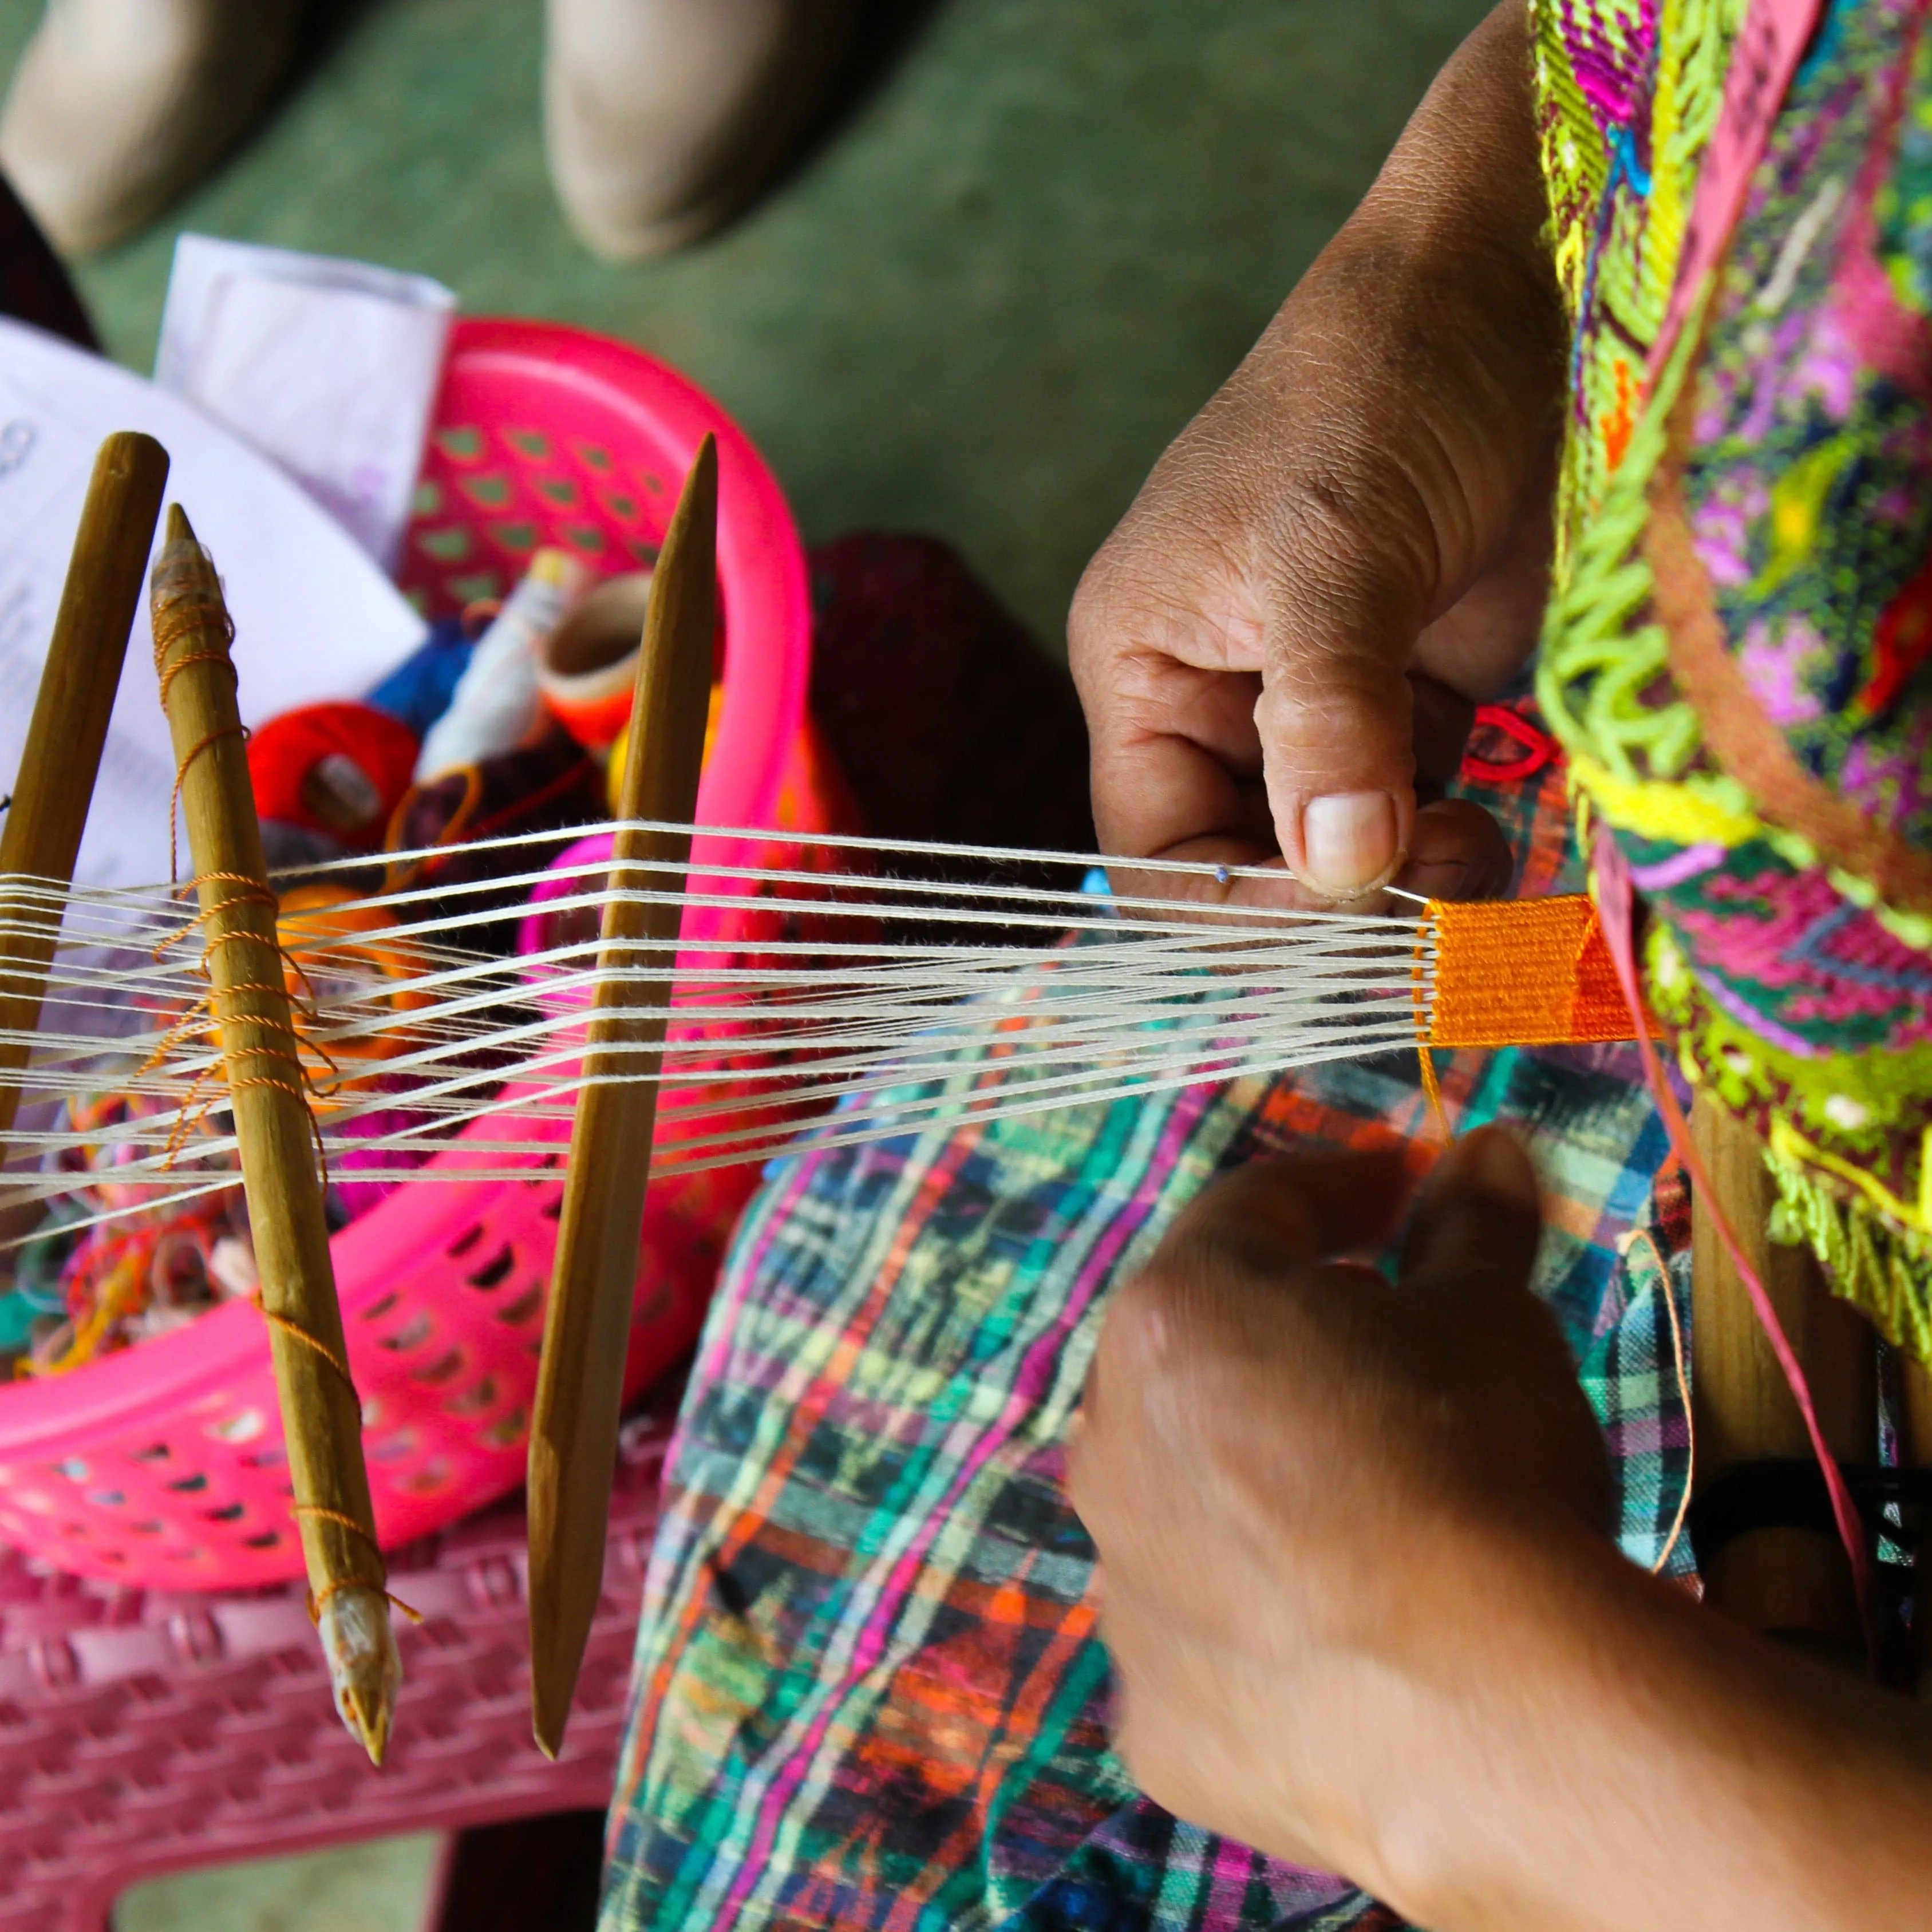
pixel 1037 236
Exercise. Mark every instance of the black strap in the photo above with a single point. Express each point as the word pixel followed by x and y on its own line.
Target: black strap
pixel 1788 1492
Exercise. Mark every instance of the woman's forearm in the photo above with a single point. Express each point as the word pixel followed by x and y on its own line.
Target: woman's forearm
pixel 1605 1756
pixel 1356 1581
pixel 1439 298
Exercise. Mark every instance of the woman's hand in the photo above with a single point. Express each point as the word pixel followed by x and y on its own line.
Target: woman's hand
pixel 1292 1468
pixel 1283 642
pixel 1364 1613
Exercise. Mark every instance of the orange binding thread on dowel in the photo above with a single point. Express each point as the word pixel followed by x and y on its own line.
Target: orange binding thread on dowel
pixel 1522 973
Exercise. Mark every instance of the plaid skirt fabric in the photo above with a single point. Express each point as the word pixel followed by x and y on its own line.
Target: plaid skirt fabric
pixel 869 1692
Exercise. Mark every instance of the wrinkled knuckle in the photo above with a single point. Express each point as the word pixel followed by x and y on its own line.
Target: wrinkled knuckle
pixel 1161 1333
pixel 1345 516
pixel 1323 519
pixel 1479 1242
pixel 1089 620
pixel 1321 706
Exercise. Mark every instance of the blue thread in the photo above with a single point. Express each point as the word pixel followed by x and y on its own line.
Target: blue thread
pixel 1623 150
pixel 1625 167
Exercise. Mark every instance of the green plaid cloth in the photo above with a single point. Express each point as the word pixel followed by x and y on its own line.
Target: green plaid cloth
pixel 868 1689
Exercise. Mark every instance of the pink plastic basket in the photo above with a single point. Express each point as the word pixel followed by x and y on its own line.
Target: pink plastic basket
pixel 163 1466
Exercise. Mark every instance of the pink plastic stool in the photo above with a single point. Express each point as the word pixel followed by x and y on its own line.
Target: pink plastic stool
pixel 142 1734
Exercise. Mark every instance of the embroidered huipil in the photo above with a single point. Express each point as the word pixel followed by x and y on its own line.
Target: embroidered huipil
pixel 1736 651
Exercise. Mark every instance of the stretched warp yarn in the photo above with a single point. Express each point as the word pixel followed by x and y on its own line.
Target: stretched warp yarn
pixel 415 1028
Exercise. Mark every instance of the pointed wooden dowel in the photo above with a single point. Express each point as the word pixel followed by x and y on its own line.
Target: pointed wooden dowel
pixel 44 823
pixel 281 1174
pixel 580 1386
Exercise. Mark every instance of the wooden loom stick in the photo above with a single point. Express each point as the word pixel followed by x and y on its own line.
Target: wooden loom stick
pixel 573 1436
pixel 62 758
pixel 281 1172
pixel 1797 1583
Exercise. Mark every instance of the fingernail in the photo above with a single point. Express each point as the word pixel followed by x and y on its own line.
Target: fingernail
pixel 1493 1160
pixel 1348 840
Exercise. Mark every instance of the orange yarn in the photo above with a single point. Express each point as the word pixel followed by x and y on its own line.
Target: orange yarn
pixel 1523 973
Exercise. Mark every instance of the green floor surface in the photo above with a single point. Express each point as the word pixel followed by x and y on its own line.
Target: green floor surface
pixel 981 309
pixel 995 290
pixel 375 1887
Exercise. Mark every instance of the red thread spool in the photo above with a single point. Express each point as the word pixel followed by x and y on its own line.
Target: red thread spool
pixel 339 769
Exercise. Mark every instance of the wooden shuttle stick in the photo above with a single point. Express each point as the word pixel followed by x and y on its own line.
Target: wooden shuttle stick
pixel 281 1174
pixel 573 1436
pixel 41 838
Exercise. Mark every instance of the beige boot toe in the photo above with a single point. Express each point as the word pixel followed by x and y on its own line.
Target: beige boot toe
pixel 665 118
pixel 119 107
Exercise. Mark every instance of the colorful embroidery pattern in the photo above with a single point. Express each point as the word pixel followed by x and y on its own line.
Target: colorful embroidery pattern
pixel 1628 99
pixel 1738 649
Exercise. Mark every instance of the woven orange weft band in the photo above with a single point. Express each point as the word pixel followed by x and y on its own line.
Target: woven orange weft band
pixel 1523 972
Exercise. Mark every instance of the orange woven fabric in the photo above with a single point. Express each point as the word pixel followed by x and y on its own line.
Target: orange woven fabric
pixel 1523 973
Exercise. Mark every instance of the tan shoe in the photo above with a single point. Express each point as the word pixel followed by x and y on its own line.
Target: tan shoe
pixel 665 118
pixel 119 107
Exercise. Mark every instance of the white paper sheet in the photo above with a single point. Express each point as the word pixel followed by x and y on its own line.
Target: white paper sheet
pixel 314 617
pixel 330 368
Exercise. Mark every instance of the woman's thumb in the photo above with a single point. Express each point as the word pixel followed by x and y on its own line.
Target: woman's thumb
pixel 1336 721
pixel 1479 1219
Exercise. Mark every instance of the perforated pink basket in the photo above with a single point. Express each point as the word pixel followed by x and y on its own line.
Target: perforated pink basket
pixel 163 1466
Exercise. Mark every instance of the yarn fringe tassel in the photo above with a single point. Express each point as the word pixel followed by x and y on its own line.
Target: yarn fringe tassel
pixel 1883 1270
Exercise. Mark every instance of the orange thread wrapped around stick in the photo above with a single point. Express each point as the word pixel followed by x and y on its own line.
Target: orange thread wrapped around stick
pixel 1523 973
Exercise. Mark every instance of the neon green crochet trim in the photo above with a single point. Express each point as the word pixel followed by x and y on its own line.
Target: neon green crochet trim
pixel 1908 1216
pixel 1599 657
pixel 1855 1100
pixel 1706 808
pixel 1874 1241
pixel 1882 1270
pixel 1694 40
